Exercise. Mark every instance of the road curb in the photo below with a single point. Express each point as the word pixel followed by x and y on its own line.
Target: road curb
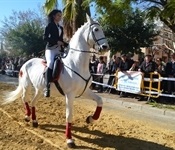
pixel 150 109
pixel 140 107
pixel 170 113
pixel 132 105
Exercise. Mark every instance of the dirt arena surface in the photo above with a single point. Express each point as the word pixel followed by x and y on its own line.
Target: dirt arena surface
pixel 111 132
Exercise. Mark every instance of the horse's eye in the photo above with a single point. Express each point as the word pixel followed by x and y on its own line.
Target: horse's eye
pixel 96 29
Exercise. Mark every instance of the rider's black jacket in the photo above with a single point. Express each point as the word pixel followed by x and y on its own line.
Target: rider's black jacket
pixel 51 34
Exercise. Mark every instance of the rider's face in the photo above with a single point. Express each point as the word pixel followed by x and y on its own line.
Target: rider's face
pixel 57 17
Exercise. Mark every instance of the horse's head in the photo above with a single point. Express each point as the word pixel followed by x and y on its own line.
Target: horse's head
pixel 96 37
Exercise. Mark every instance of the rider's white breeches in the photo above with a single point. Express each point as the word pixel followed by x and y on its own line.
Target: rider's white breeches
pixel 50 55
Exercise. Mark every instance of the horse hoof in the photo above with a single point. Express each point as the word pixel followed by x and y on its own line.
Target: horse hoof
pixel 35 124
pixel 27 119
pixel 71 145
pixel 89 120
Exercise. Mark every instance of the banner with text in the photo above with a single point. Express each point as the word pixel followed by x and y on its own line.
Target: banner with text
pixel 129 81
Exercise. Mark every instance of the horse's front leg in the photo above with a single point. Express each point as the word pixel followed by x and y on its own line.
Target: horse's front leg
pixel 69 116
pixel 90 95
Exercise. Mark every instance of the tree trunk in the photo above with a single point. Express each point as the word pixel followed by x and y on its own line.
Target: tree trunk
pixel 80 17
pixel 172 27
pixel 169 24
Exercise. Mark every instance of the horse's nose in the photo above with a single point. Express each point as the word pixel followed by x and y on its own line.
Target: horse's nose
pixel 104 46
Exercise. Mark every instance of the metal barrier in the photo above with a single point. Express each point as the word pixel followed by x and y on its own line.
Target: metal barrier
pixel 12 73
pixel 150 87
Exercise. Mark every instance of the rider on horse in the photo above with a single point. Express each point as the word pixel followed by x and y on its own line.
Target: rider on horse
pixel 53 34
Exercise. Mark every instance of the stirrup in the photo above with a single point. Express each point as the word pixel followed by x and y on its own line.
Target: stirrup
pixel 47 93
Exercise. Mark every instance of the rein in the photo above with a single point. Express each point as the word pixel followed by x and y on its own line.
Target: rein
pixel 84 51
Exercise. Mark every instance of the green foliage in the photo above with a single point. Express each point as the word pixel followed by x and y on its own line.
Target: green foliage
pixel 70 10
pixel 23 32
pixel 161 9
pixel 3 54
pixel 113 12
pixel 74 14
pixel 134 34
pixel 49 5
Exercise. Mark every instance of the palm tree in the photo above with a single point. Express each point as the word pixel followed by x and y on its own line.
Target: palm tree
pixel 161 9
pixel 74 14
pixel 49 5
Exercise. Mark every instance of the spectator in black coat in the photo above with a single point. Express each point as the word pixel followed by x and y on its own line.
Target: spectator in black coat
pixel 114 65
pixel 148 66
pixel 93 70
pixel 160 66
pixel 113 68
pixel 111 64
pixel 130 60
pixel 170 72
pixel 135 66
pixel 93 65
pixel 125 64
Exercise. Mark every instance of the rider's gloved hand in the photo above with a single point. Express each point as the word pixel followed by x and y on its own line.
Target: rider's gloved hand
pixel 62 49
pixel 65 44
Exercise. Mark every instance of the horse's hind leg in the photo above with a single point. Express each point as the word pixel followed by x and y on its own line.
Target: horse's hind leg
pixel 25 97
pixel 37 95
pixel 90 95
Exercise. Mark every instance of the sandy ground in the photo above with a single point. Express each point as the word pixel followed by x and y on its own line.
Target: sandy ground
pixel 112 131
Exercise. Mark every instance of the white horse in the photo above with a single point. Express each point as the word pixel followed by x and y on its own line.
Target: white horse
pixel 74 80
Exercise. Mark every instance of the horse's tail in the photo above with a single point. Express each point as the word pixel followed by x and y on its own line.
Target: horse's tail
pixel 12 96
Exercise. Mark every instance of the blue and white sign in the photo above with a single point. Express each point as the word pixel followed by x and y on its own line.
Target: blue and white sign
pixel 129 81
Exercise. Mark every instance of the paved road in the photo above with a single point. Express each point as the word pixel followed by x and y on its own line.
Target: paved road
pixel 7 79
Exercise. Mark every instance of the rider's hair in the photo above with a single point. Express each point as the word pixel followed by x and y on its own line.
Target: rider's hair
pixel 52 14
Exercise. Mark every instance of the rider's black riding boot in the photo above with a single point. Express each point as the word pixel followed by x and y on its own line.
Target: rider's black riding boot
pixel 48 76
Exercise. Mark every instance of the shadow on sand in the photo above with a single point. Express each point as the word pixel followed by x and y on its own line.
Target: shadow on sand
pixel 104 140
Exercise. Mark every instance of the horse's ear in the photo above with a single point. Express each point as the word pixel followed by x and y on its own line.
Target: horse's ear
pixel 89 19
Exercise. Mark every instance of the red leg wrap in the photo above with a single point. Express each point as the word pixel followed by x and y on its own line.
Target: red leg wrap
pixel 68 131
pixel 33 113
pixel 28 111
pixel 97 113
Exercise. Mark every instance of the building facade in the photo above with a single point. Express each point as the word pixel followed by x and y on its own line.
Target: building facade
pixel 163 46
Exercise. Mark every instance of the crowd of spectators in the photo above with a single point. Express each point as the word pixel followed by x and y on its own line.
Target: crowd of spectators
pixel 145 65
pixel 12 65
pixel 98 68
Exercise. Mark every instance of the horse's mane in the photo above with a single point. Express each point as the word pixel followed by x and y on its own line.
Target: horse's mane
pixel 79 30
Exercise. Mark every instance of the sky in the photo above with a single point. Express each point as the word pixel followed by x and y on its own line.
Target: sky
pixel 6 7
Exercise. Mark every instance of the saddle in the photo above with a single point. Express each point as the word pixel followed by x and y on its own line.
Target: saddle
pixel 57 68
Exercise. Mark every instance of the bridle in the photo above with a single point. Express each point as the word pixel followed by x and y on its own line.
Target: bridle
pixel 93 35
pixel 94 38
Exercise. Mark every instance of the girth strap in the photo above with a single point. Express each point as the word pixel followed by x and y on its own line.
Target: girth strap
pixel 86 80
pixel 59 87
